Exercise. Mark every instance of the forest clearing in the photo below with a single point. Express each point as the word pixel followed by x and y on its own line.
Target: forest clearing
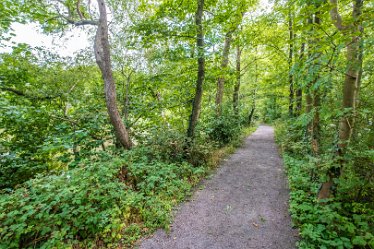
pixel 187 124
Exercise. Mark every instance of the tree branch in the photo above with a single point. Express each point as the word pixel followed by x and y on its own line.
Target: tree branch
pixel 79 11
pixel 15 91
pixel 81 23
pixel 23 94
pixel 47 97
pixel 254 60
pixel 335 16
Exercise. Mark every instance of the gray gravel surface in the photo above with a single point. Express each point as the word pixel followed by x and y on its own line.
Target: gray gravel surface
pixel 244 205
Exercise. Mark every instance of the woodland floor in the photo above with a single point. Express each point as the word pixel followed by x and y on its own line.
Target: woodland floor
pixel 243 205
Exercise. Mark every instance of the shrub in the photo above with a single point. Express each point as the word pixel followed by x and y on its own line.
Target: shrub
pixel 64 209
pixel 224 129
pixel 94 203
pixel 335 224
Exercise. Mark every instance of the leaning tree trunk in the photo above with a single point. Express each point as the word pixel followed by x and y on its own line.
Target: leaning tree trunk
pixel 221 78
pixel 237 84
pixel 350 87
pixel 102 55
pixel 196 107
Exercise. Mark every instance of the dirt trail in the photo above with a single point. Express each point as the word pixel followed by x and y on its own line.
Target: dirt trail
pixel 244 205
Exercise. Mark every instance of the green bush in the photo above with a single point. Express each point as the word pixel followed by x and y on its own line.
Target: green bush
pixel 223 129
pixel 334 224
pixel 176 147
pixel 169 146
pixel 94 203
pixel 346 221
pixel 74 206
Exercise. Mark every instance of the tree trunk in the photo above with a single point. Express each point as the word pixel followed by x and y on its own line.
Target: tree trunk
pixel 237 85
pixel 351 86
pixel 313 97
pixel 308 98
pixel 290 78
pixel 350 93
pixel 250 116
pixel 299 91
pixel 316 127
pixel 196 107
pixel 254 91
pixel 102 55
pixel 221 79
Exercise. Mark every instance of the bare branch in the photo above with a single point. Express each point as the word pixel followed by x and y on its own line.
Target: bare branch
pixel 82 22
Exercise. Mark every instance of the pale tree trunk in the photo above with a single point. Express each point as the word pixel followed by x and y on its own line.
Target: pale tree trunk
pixel 350 87
pixel 237 84
pixel 102 55
pixel 221 79
pixel 196 106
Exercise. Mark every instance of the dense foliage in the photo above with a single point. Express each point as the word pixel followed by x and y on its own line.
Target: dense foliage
pixel 343 222
pixel 95 202
pixel 96 148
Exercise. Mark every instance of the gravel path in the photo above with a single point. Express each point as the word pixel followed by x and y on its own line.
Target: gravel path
pixel 244 205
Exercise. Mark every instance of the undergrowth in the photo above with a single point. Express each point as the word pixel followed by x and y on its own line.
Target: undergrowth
pixel 345 221
pixel 109 203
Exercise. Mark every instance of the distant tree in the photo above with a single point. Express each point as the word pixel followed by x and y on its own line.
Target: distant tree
pixel 196 106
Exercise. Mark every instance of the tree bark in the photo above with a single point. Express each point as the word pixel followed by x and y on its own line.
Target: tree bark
pixel 250 116
pixel 290 77
pixel 313 94
pixel 351 85
pixel 308 98
pixel 102 55
pixel 299 91
pixel 254 92
pixel 237 84
pixel 221 78
pixel 196 106
pixel 352 79
pixel 316 127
